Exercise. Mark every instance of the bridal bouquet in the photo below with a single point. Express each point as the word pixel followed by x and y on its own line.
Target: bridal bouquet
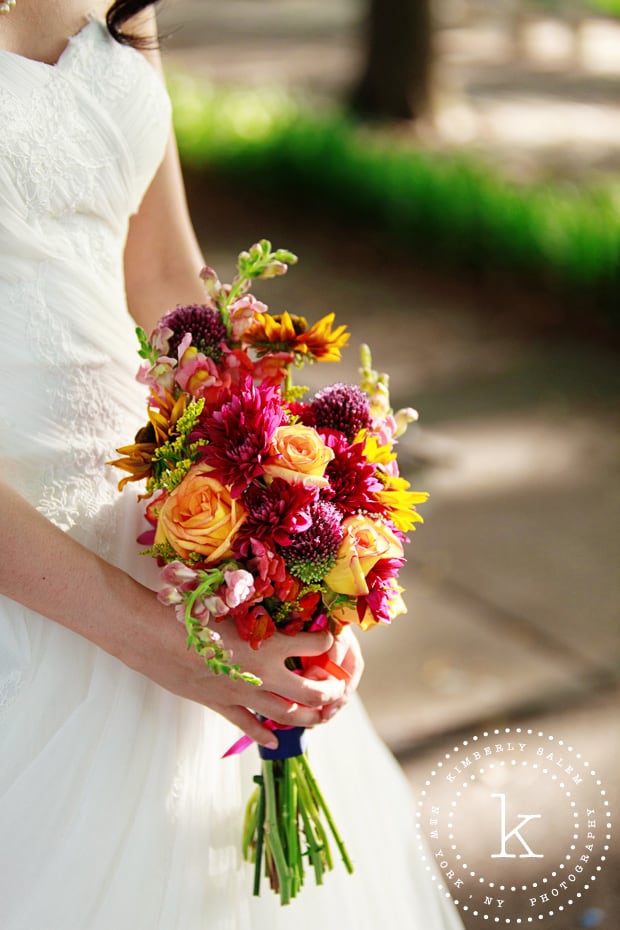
pixel 281 511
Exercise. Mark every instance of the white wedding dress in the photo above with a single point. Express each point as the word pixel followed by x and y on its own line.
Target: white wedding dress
pixel 116 810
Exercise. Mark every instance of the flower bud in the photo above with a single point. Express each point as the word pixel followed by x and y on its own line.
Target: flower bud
pixel 403 418
pixel 212 283
pixel 177 573
pixel 169 596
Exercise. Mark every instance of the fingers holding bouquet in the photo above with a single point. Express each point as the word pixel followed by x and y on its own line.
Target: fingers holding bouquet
pixel 286 696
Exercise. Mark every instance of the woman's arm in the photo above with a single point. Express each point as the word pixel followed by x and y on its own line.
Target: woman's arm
pixel 162 258
pixel 71 585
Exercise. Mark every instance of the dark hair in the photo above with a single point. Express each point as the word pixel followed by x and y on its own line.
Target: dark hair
pixel 119 12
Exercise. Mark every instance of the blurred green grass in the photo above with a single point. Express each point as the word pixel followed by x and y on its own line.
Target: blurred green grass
pixel 445 209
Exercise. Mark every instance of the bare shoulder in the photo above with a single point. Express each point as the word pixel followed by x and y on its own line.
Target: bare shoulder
pixel 40 29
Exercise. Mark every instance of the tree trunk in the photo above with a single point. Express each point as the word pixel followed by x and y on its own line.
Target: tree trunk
pixel 395 83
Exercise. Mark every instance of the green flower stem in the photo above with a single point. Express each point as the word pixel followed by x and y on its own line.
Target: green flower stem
pixel 314 847
pixel 284 796
pixel 260 829
pixel 288 381
pixel 291 796
pixel 272 832
pixel 303 762
pixel 236 290
pixel 286 821
pixel 250 823
pixel 314 813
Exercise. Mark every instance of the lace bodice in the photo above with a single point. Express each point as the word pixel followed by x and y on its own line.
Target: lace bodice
pixel 84 135
pixel 79 144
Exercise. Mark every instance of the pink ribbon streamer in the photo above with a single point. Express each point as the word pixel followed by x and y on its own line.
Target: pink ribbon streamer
pixel 244 741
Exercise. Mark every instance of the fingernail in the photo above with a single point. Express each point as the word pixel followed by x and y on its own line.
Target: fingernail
pixel 271 743
pixel 329 712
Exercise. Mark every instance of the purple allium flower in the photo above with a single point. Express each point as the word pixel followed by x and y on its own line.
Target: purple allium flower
pixel 343 407
pixel 238 435
pixel 276 513
pixel 204 324
pixel 312 553
pixel 351 476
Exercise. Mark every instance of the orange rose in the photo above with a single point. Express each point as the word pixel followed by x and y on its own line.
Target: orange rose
pixel 200 516
pixel 365 542
pixel 299 456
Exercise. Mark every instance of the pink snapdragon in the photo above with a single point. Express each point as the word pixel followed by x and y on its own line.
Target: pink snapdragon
pixel 176 580
pixel 215 605
pixel 239 587
pixel 158 376
pixel 212 283
pixel 242 314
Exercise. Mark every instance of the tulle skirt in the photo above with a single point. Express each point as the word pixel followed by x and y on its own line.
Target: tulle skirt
pixel 117 811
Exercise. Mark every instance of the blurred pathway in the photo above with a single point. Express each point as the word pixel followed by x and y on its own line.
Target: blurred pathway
pixel 541 98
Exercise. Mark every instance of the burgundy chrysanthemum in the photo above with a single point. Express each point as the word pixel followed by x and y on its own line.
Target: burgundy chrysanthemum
pixel 205 325
pixel 351 477
pixel 238 435
pixel 343 407
pixel 276 513
pixel 312 553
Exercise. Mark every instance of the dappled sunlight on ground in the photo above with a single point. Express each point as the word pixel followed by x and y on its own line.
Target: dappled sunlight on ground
pixel 484 456
pixel 543 101
pixel 539 95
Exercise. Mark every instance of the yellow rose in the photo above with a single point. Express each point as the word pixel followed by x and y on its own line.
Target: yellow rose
pixel 365 541
pixel 299 456
pixel 200 516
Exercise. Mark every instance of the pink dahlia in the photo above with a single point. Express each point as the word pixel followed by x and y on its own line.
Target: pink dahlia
pixel 351 476
pixel 237 437
pixel 343 407
pixel 311 553
pixel 275 513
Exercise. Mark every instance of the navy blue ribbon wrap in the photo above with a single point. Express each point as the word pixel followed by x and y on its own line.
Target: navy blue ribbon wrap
pixel 291 742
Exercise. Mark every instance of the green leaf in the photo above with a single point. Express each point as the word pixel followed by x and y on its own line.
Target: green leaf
pixel 146 350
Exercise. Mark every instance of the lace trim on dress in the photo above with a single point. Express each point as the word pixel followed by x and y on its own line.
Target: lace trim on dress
pixel 55 172
pixel 73 491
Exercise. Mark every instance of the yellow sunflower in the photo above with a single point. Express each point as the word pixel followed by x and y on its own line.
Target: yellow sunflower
pixel 400 502
pixel 137 458
pixel 285 332
pixel 380 454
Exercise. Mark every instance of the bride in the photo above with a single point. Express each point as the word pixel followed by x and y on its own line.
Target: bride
pixel 116 811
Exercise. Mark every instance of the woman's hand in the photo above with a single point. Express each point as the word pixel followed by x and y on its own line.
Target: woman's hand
pixel 285 697
pixel 345 652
